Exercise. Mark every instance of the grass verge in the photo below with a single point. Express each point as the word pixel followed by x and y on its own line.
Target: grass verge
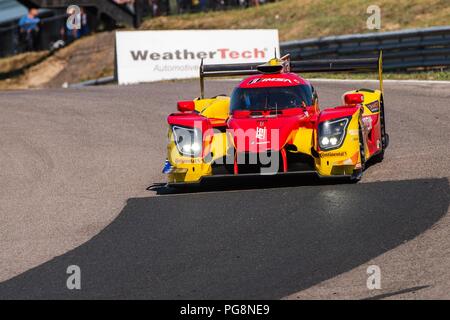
pixel 298 19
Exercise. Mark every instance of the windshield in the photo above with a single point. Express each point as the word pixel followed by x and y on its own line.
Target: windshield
pixel 271 98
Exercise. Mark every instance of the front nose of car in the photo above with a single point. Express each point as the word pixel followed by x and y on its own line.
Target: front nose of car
pixel 261 133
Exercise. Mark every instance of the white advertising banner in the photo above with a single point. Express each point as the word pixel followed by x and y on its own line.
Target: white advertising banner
pixel 145 56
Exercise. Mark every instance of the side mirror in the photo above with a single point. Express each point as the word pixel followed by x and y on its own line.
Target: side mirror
pixel 186 106
pixel 353 98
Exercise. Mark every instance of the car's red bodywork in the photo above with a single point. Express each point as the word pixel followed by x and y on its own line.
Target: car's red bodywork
pixel 287 131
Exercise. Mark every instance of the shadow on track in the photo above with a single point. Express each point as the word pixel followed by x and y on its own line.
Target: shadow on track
pixel 253 244
pixel 234 183
pixel 396 293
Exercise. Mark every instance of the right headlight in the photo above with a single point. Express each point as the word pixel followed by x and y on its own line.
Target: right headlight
pixel 332 133
pixel 188 140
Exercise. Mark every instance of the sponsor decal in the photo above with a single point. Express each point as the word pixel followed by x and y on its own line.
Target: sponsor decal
pixel 188 161
pixel 261 133
pixel 185 54
pixel 349 161
pixel 145 56
pixel 263 80
pixel 334 154
pixel 373 106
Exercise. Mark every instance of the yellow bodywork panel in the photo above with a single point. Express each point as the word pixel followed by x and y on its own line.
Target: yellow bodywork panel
pixel 347 158
pixel 215 108
pixel 191 169
pixel 344 160
pixel 372 107
pixel 188 169
pixel 219 145
pixel 304 140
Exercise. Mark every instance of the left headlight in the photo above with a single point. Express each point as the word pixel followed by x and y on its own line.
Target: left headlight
pixel 332 133
pixel 188 141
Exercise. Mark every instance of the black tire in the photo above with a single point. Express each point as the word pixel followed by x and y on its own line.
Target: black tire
pixel 384 136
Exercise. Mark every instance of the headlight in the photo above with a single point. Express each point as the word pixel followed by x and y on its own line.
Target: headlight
pixel 332 133
pixel 188 141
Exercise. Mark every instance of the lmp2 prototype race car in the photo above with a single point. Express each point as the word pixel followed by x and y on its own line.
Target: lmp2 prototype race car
pixel 272 124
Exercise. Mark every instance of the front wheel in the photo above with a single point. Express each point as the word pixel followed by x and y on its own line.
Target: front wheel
pixel 384 136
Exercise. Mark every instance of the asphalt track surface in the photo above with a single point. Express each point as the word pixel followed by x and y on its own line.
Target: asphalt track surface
pixel 81 185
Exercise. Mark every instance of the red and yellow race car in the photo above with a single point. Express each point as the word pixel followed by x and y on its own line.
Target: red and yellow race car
pixel 272 124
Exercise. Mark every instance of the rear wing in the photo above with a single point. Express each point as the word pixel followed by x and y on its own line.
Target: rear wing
pixel 285 65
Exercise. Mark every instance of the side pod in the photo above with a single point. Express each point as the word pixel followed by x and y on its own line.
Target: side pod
pixel 338 141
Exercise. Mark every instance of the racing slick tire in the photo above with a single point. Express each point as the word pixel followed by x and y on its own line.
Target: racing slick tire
pixel 384 137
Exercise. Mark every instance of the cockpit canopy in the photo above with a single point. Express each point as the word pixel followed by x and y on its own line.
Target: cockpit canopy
pixel 271 98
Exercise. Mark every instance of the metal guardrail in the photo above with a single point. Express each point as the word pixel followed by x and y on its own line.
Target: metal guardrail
pixel 402 50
